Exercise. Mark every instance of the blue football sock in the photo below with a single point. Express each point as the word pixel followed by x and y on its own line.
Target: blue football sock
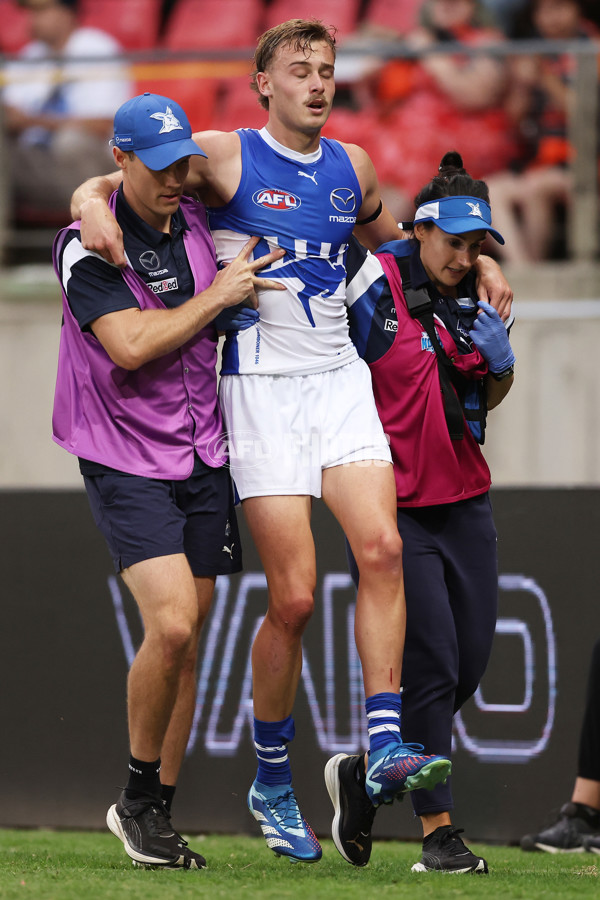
pixel 270 740
pixel 383 715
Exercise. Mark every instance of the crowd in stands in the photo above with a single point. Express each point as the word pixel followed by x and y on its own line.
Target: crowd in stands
pixel 505 113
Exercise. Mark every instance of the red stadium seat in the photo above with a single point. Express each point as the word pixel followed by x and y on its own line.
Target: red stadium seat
pixel 133 23
pixel 213 24
pixel 239 107
pixel 15 31
pixel 197 96
pixel 343 14
pixel 393 17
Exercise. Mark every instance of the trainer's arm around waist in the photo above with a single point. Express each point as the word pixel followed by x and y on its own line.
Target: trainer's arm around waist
pixel 133 336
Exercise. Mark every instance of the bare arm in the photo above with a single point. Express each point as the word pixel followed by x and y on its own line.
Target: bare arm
pixel 215 179
pixel 18 120
pixel 384 227
pixel 133 337
pixel 99 228
pixel 475 85
pixel 497 390
pixel 493 287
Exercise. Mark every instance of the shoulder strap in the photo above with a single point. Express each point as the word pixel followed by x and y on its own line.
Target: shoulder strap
pixel 420 307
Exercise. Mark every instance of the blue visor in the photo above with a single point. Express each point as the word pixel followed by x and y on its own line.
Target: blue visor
pixel 458 215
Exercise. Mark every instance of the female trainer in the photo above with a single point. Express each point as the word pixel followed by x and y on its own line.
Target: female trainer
pixel 439 359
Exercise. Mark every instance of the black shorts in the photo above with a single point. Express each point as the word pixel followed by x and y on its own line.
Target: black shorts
pixel 142 518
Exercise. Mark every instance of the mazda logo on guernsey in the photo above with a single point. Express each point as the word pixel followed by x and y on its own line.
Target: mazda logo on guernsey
pixel 343 199
pixel 150 260
pixel 270 198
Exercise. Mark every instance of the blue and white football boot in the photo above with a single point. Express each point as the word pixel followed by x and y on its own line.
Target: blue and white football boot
pixel 286 831
pixel 393 771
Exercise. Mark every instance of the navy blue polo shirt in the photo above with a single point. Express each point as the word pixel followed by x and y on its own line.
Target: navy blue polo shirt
pixel 94 287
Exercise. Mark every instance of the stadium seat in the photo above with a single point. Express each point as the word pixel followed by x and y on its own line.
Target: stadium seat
pixel 133 23
pixel 343 14
pixel 197 96
pixel 213 24
pixel 15 31
pixel 393 17
pixel 239 107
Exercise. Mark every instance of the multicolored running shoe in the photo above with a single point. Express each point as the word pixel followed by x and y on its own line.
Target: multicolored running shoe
pixel 394 771
pixel 286 831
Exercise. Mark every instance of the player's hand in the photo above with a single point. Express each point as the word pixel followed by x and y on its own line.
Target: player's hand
pixel 493 287
pixel 491 338
pixel 101 232
pixel 237 281
pixel 236 318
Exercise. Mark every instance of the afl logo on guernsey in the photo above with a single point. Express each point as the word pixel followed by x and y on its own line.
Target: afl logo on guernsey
pixel 272 199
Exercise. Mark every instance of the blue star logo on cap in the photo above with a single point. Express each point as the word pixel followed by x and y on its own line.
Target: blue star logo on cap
pixel 475 209
pixel 169 121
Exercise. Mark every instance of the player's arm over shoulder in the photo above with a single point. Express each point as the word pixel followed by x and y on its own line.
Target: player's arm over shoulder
pixel 216 177
pixel 379 224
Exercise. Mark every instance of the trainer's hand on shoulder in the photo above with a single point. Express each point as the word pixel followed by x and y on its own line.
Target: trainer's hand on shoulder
pixel 490 336
pixel 101 232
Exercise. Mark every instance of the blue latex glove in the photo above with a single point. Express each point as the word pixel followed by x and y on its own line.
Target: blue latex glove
pixel 236 318
pixel 491 338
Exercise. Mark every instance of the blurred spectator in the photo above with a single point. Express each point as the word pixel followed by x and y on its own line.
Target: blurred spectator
pixel 528 197
pixel 438 101
pixel 505 13
pixel 58 108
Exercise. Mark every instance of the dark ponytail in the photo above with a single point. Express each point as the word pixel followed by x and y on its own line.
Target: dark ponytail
pixel 452 180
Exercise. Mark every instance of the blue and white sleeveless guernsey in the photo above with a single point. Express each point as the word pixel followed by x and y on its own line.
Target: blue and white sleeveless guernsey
pixel 308 205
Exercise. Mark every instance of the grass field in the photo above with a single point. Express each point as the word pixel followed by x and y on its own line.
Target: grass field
pixel 47 865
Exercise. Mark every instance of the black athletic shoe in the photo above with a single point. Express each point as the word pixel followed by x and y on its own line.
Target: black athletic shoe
pixel 444 851
pixel 144 827
pixel 354 812
pixel 574 824
pixel 591 843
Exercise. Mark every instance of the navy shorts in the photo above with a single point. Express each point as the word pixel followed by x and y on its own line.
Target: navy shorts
pixel 142 518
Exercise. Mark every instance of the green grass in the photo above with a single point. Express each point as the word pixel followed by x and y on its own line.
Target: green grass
pixel 47 865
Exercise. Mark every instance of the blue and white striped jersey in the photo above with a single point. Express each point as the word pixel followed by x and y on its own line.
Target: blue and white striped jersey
pixel 306 204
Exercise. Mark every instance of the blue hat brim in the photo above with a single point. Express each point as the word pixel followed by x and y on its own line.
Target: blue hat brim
pixel 165 155
pixel 464 225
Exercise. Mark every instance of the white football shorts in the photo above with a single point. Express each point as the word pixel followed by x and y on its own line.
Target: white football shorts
pixel 283 430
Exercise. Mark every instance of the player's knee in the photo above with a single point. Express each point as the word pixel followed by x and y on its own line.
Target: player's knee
pixel 177 641
pixel 382 556
pixel 293 614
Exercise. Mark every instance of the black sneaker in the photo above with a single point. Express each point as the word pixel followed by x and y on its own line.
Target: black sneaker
pixel 444 851
pixel 354 812
pixel 144 827
pixel 591 843
pixel 574 824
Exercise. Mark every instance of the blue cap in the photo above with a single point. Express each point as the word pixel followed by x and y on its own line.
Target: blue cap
pixel 156 129
pixel 458 215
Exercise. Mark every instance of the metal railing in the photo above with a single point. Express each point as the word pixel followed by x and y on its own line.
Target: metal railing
pixel 583 219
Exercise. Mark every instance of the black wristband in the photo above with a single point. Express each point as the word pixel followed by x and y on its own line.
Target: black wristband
pixel 505 373
pixel 372 217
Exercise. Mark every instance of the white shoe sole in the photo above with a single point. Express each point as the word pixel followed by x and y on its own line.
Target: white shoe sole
pixel 480 867
pixel 332 783
pixel 114 823
pixel 548 848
